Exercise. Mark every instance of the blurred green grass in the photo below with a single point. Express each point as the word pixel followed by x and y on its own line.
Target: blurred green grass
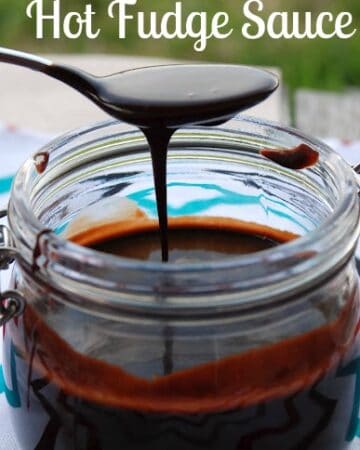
pixel 323 64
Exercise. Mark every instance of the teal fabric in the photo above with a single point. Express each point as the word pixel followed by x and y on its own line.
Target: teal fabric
pixel 145 199
pixel 5 184
pixel 12 395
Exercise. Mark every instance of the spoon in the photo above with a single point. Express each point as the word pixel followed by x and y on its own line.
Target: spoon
pixel 162 96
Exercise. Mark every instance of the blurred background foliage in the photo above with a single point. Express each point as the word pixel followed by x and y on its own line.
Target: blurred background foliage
pixel 322 64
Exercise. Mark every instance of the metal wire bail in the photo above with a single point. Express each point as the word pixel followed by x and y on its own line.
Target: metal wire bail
pixel 7 248
pixel 11 302
pixel 11 305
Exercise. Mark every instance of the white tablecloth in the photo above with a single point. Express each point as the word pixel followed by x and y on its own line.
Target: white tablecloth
pixel 15 147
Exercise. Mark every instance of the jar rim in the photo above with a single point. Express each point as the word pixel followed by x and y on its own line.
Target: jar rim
pixel 325 236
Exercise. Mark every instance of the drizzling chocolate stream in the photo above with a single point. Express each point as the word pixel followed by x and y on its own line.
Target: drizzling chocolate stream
pixel 159 139
pixel 174 96
pixel 170 97
pixel 160 100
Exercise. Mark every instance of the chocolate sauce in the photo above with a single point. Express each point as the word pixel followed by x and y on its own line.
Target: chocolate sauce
pixel 289 395
pixel 41 160
pixel 159 100
pixel 37 253
pixel 162 99
pixel 300 157
pixel 174 95
pixel 187 243
pixel 158 139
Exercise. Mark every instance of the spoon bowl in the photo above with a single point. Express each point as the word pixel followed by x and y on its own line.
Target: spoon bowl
pixel 163 96
pixel 178 95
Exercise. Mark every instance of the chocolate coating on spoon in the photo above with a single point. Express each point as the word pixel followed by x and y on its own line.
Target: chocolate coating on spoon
pixel 159 100
pixel 177 95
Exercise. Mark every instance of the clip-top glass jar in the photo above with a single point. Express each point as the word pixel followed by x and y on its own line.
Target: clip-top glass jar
pixel 251 352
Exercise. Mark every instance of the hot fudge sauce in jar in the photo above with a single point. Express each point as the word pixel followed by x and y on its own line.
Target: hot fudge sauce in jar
pixel 246 339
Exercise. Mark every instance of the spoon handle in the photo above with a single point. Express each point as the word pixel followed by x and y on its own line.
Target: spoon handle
pixel 33 62
pixel 76 78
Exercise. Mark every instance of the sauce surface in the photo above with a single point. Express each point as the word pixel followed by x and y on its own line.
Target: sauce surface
pixel 191 239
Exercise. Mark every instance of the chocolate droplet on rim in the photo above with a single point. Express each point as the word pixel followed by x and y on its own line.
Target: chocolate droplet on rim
pixel 41 161
pixel 296 158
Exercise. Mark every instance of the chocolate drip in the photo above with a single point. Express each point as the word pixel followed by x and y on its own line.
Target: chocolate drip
pixel 300 157
pixel 41 161
pixel 37 249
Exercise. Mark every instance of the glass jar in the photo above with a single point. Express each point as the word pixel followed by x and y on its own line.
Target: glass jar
pixel 251 352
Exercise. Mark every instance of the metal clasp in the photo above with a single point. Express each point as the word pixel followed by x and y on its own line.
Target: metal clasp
pixel 7 248
pixel 11 302
pixel 11 305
